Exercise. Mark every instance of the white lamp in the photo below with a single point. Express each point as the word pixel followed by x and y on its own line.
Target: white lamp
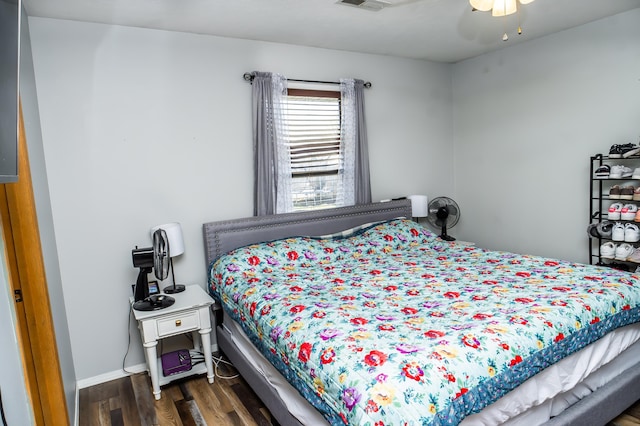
pixel 176 248
pixel 419 206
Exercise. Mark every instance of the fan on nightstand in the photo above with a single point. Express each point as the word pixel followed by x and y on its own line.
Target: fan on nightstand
pixel 156 258
pixel 174 246
pixel 443 213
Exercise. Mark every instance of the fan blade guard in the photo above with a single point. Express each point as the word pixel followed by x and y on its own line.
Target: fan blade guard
pixel 443 212
pixel 161 254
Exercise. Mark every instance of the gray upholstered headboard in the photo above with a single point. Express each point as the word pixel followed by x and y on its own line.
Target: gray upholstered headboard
pixel 224 236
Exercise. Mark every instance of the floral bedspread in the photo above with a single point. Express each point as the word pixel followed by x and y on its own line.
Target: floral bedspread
pixel 392 326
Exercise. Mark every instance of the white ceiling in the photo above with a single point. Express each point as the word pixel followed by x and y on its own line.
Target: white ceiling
pixel 439 30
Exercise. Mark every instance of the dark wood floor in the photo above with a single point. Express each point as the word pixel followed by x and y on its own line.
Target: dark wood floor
pixel 129 401
pixel 631 417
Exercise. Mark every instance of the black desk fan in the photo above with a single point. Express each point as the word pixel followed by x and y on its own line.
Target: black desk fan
pixel 156 258
pixel 443 213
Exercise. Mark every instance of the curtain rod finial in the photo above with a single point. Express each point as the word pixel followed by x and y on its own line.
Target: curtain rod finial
pixel 247 76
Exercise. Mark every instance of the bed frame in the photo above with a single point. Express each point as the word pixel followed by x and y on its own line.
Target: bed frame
pixel 596 409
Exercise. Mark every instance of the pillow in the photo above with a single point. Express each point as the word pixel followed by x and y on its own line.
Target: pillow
pixel 347 232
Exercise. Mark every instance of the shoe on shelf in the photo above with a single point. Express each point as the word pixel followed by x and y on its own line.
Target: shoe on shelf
pixel 631 233
pixel 604 229
pixel 620 171
pixel 618 151
pixel 617 233
pixel 614 211
pixel 628 212
pixel 623 251
pixel 600 230
pixel 635 256
pixel 603 171
pixel 615 151
pixel 629 149
pixel 608 250
pixel 614 192
pixel 636 173
pixel 626 192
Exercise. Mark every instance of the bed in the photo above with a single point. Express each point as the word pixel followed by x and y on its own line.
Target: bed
pixel 393 353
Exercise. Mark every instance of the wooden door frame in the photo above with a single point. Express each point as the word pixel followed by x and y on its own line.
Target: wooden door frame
pixel 26 271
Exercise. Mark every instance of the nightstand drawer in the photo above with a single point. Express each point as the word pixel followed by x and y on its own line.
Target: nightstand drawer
pixel 178 324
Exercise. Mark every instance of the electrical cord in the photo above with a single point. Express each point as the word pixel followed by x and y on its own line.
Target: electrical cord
pixel 129 341
pixel 4 419
pixel 216 362
pixel 124 359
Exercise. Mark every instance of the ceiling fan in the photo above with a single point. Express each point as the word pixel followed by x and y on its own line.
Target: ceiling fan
pixel 497 7
pixel 500 8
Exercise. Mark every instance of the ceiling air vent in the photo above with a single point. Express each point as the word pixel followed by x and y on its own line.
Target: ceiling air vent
pixel 372 5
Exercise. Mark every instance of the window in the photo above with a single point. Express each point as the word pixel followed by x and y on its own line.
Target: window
pixel 313 129
pixel 326 154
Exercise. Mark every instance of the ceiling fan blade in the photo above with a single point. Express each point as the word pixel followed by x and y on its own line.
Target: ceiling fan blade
pixel 482 5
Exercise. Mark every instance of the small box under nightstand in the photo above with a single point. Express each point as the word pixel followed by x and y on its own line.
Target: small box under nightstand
pixel 175 362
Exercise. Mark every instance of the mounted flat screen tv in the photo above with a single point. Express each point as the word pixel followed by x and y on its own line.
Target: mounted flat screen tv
pixel 9 80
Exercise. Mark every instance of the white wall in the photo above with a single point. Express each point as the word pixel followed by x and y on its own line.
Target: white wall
pixel 526 121
pixel 143 127
pixel 29 99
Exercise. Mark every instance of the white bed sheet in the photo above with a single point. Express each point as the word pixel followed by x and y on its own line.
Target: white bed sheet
pixel 537 400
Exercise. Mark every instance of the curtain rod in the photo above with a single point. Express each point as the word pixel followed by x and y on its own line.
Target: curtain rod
pixel 248 77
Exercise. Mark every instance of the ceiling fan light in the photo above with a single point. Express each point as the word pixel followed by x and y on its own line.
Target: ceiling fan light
pixel 526 1
pixel 504 7
pixel 482 5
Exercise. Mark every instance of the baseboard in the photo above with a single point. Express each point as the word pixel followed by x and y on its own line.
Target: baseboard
pixel 112 375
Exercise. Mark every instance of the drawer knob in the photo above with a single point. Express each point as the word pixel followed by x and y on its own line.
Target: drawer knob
pixel 178 323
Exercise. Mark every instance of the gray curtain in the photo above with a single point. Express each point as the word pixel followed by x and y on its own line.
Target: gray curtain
pixel 361 174
pixel 267 92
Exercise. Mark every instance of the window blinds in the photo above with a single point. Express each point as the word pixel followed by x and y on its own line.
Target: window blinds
pixel 313 128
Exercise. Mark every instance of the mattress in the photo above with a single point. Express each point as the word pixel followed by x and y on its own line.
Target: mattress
pixel 410 318
pixel 537 400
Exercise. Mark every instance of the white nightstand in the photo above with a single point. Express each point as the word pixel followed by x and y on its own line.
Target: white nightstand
pixel 190 313
pixel 460 242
